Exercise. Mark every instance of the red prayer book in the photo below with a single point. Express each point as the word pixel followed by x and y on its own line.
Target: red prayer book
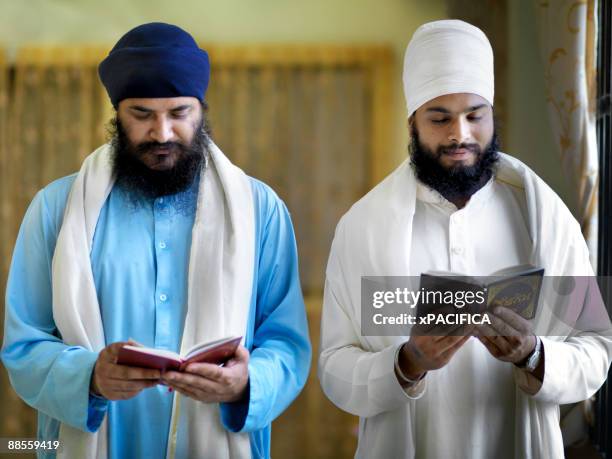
pixel 217 352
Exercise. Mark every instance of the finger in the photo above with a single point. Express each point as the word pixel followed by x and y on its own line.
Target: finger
pixel 434 329
pixel 505 344
pixel 501 327
pixel 448 353
pixel 194 381
pixel 458 330
pixel 448 342
pixel 197 393
pixel 521 325
pixel 112 350
pixel 129 372
pixel 189 387
pixel 490 346
pixel 207 370
pixel 485 329
pixel 442 331
pixel 241 355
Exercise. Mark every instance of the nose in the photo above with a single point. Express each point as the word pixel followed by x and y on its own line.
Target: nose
pixel 161 130
pixel 459 131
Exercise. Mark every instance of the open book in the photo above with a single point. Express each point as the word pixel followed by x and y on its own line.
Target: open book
pixel 217 352
pixel 517 288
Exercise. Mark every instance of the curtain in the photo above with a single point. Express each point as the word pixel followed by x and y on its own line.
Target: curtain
pixel 310 121
pixel 4 210
pixel 567 33
pixel 304 131
pixel 567 40
pixel 50 119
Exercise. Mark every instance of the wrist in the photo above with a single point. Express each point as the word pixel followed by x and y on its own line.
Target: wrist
pixel 408 371
pixel 93 386
pixel 532 360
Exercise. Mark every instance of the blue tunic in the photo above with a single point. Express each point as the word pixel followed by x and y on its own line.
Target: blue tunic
pixel 140 260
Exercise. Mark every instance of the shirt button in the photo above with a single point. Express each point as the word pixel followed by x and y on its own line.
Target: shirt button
pixel 457 250
pixel 162 245
pixel 163 297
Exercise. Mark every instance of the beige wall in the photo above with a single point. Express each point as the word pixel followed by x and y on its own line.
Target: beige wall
pixel 229 21
pixel 316 21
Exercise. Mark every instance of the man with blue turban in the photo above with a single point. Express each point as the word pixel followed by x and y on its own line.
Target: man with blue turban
pixel 158 239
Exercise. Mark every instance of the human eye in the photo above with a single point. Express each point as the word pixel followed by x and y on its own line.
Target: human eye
pixel 439 120
pixel 141 115
pixel 474 118
pixel 180 113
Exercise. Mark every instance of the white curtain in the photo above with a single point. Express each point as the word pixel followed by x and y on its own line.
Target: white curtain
pixel 567 33
pixel 567 39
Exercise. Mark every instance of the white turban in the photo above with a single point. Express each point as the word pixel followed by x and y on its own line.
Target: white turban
pixel 447 57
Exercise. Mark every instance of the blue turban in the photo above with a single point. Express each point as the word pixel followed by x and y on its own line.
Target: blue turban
pixel 155 60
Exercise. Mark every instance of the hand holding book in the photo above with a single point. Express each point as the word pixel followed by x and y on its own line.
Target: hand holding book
pixel 210 383
pixel 216 352
pixel 119 382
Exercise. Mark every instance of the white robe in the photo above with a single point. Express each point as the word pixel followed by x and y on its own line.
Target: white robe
pixel 357 372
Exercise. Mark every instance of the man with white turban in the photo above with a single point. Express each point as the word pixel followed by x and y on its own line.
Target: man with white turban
pixel 457 204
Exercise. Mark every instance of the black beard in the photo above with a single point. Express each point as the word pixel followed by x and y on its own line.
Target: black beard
pixel 455 182
pixel 142 182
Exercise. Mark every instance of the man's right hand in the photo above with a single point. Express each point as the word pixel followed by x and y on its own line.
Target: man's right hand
pixel 120 382
pixel 421 354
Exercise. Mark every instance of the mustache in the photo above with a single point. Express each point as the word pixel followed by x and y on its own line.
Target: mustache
pixel 147 147
pixel 452 149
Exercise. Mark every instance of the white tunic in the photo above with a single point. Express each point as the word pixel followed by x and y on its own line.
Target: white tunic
pixel 488 234
pixel 476 406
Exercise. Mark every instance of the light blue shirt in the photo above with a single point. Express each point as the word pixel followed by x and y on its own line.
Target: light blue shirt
pixel 140 260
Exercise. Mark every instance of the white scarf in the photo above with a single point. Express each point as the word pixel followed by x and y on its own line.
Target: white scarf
pixel 219 291
pixel 364 247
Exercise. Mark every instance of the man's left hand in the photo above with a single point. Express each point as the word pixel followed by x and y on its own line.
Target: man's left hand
pixel 509 338
pixel 211 383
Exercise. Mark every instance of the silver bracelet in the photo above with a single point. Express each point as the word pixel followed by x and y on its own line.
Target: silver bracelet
pixel 400 373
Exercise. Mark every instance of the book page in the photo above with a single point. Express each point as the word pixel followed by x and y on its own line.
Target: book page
pixel 204 346
pixel 157 352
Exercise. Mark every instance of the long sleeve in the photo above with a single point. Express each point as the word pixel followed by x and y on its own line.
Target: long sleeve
pixel 47 374
pixel 356 380
pixel 280 352
pixel 575 367
pixel 573 370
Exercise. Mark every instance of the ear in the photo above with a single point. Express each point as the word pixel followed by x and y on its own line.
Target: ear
pixel 411 124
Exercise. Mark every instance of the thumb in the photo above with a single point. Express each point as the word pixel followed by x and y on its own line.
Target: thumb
pixel 240 356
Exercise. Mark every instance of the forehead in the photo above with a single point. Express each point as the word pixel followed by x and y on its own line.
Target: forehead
pixel 454 103
pixel 160 104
